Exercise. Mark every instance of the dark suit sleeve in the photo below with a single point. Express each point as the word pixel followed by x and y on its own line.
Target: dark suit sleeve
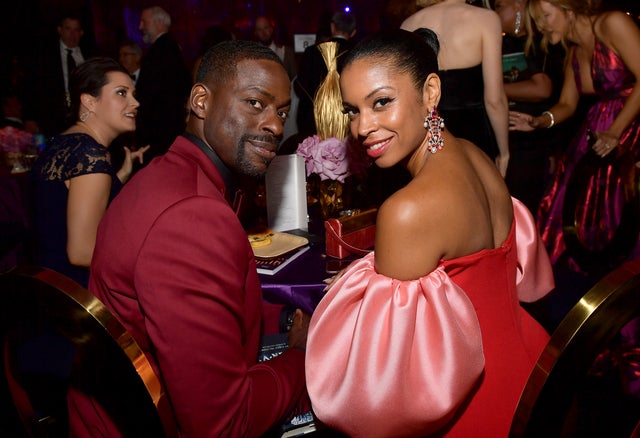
pixel 290 62
pixel 200 299
pixel 45 97
pixel 162 90
pixel 312 71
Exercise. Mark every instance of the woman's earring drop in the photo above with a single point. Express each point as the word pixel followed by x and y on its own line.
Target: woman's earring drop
pixel 434 124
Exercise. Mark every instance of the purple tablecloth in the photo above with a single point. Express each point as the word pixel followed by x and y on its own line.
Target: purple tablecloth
pixel 301 283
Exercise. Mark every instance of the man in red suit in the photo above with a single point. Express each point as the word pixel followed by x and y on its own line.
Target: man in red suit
pixel 173 262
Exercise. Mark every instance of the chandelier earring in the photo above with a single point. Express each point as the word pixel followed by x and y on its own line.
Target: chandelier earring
pixel 516 29
pixel 84 116
pixel 434 124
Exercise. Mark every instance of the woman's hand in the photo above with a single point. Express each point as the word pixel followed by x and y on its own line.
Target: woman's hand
pixel 331 280
pixel 127 165
pixel 605 143
pixel 521 122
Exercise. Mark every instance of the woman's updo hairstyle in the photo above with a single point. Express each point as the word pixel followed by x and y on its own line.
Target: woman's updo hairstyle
pixel 89 78
pixel 415 53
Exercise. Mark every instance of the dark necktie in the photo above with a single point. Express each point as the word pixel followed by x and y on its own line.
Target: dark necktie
pixel 71 63
pixel 133 76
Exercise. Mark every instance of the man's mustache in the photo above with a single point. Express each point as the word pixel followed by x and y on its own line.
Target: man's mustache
pixel 263 138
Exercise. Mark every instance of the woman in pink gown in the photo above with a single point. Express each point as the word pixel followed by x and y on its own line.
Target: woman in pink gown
pixel 426 334
pixel 595 179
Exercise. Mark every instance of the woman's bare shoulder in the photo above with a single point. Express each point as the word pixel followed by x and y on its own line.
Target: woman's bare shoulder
pixel 423 206
pixel 488 20
pixel 410 236
pixel 421 18
pixel 615 28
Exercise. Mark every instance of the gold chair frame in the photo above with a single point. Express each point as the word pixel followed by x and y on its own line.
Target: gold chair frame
pixel 547 406
pixel 40 305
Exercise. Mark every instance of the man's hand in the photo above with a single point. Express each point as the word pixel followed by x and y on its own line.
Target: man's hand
pixel 299 329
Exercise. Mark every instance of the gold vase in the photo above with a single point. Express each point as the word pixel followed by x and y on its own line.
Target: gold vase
pixel 331 198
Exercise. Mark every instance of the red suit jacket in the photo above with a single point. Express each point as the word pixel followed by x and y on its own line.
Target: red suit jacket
pixel 173 262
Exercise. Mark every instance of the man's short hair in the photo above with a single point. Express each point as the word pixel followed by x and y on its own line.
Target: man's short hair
pixel 159 13
pixel 219 62
pixel 344 22
pixel 133 46
pixel 69 16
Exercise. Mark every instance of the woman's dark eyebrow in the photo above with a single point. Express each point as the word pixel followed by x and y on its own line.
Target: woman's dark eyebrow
pixel 384 87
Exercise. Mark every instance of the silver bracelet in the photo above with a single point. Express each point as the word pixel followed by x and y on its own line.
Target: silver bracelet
pixel 553 120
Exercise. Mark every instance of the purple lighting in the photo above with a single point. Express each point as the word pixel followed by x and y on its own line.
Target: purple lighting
pixel 347 9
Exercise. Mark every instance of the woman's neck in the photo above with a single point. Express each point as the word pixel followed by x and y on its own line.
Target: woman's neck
pixel 91 131
pixel 582 33
pixel 418 159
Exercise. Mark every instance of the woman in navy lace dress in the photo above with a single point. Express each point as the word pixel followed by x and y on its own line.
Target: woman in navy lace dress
pixel 73 180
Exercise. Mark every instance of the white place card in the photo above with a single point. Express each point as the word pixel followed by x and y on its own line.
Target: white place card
pixel 286 189
pixel 303 40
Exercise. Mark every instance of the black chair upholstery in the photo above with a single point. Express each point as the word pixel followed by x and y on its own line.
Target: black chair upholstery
pixel 58 338
pixel 587 380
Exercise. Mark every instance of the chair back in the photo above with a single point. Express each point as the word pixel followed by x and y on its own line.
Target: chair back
pixel 587 380
pixel 63 351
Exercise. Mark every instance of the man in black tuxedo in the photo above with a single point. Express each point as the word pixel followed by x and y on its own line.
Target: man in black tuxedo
pixel 163 85
pixel 47 101
pixel 313 69
pixel 263 30
pixel 130 56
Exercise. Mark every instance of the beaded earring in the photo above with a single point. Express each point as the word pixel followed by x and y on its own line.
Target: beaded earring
pixel 84 116
pixel 434 124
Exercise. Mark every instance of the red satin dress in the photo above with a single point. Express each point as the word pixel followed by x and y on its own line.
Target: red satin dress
pixel 448 353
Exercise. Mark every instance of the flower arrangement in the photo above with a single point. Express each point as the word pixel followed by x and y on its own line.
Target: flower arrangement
pixel 327 158
pixel 333 159
pixel 331 156
pixel 15 140
pixel 16 146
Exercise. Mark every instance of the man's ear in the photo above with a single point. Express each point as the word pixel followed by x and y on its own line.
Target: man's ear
pixel 198 100
pixel 431 91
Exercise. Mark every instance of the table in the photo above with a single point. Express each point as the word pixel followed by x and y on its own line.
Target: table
pixel 302 282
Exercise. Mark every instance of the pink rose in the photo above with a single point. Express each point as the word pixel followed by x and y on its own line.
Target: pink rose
pixel 333 156
pixel 305 150
pixel 327 158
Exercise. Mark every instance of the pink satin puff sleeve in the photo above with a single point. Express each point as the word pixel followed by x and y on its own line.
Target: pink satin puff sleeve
pixel 388 357
pixel 534 278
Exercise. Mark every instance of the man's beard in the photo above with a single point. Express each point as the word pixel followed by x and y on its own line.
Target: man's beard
pixel 146 38
pixel 246 166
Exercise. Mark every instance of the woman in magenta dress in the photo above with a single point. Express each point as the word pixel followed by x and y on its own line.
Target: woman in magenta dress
pixel 426 334
pixel 594 181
